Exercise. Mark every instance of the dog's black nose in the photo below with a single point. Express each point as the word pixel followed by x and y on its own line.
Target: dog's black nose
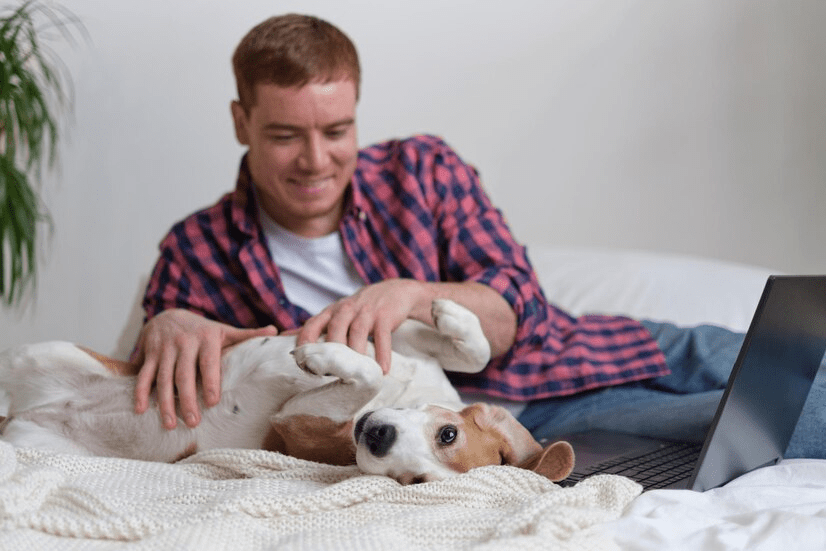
pixel 379 439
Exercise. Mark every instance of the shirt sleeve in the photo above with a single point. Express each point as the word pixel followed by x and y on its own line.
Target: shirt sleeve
pixel 171 284
pixel 478 245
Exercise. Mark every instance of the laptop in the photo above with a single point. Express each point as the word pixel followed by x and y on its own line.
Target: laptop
pixel 757 414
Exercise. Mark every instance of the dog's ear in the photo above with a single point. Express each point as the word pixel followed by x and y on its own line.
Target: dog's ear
pixel 555 462
pixel 516 443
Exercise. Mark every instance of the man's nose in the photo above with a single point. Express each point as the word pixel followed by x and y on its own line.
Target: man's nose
pixel 314 155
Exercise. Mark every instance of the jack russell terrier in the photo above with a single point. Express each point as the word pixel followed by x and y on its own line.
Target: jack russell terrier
pixel 323 402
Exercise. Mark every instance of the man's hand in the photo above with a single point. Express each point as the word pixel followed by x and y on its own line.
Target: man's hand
pixel 173 347
pixel 374 311
pixel 378 309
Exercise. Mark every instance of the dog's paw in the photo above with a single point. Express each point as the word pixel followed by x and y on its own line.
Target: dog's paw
pixel 332 359
pixel 469 350
pixel 454 320
pixel 315 359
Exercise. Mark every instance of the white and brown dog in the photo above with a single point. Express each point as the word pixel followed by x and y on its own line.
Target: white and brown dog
pixel 321 401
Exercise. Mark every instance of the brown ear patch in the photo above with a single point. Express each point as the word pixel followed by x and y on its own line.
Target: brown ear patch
pixel 313 438
pixel 555 462
pixel 517 444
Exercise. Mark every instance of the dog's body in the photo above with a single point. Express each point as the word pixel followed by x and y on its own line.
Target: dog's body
pixel 321 401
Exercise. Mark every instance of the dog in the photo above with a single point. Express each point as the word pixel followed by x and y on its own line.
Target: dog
pixel 321 401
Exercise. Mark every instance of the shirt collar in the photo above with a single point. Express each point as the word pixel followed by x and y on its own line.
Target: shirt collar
pixel 244 205
pixel 354 200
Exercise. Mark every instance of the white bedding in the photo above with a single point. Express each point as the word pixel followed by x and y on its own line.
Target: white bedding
pixel 775 508
pixel 240 499
pixel 683 289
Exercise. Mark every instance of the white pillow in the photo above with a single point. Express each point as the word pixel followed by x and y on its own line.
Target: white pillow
pixel 683 289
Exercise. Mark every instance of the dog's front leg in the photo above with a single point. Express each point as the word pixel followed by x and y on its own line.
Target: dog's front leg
pixel 318 424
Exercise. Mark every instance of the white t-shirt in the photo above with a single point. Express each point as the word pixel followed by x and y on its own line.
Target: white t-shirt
pixel 315 271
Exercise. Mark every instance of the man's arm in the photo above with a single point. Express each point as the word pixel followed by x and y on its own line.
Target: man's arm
pixel 378 309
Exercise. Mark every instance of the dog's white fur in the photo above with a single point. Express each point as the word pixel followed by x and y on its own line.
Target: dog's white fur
pixel 275 396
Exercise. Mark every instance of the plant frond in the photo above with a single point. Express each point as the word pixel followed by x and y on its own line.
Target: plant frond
pixel 35 88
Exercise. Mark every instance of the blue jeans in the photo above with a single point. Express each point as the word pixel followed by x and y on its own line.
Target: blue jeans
pixel 680 405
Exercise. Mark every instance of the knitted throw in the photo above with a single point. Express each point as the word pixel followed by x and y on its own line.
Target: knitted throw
pixel 250 499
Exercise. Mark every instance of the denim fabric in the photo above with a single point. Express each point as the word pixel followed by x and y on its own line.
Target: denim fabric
pixel 680 405
pixel 809 438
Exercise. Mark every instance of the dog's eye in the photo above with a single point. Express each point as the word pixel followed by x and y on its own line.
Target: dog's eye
pixel 447 434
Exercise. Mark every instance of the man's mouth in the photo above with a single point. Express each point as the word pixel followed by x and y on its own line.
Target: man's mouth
pixel 314 185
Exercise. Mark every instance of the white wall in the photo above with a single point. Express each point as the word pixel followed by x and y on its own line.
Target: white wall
pixel 690 126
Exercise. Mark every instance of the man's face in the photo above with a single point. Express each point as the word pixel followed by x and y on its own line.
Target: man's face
pixel 302 152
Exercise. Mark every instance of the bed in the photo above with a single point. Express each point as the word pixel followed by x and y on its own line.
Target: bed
pixel 250 499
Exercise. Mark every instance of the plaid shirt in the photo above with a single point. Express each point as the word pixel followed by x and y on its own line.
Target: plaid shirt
pixel 414 210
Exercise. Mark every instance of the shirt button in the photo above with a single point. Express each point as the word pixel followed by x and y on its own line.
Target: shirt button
pixel 362 215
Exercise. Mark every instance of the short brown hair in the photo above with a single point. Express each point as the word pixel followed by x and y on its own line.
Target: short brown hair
pixel 293 50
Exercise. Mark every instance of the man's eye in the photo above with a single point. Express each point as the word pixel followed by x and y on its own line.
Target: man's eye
pixel 336 133
pixel 447 435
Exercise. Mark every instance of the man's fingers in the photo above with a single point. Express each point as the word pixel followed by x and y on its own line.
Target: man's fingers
pixel 313 328
pixel 338 326
pixel 383 341
pixel 359 333
pixel 185 370
pixel 209 362
pixel 143 385
pixel 165 388
pixel 139 352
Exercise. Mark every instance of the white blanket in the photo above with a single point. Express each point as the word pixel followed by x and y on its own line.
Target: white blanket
pixel 781 508
pixel 243 499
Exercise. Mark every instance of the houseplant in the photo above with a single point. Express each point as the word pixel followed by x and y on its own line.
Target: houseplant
pixel 34 92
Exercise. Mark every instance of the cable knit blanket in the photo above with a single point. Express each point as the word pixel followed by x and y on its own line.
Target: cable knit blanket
pixel 248 499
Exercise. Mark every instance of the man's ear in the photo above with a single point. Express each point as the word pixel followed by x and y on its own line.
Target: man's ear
pixel 239 119
pixel 555 462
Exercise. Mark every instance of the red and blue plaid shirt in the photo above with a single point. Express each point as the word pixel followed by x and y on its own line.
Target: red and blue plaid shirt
pixel 414 210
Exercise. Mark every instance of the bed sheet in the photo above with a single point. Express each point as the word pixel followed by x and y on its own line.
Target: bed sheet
pixel 775 508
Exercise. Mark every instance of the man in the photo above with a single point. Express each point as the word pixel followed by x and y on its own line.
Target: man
pixel 320 237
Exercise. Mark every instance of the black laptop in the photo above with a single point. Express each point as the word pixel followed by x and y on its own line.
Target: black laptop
pixel 758 412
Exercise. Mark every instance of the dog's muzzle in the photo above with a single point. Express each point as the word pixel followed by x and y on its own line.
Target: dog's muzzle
pixel 378 438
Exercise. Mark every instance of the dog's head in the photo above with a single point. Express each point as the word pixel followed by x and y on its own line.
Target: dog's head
pixel 432 443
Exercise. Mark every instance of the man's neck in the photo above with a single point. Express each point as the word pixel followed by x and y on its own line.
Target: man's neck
pixel 317 226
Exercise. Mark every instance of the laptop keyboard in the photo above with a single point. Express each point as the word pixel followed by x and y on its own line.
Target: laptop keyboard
pixel 667 465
